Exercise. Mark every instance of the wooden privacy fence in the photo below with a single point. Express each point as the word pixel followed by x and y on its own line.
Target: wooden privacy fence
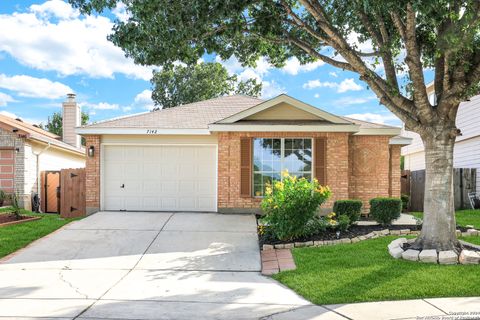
pixel 65 188
pixel 413 184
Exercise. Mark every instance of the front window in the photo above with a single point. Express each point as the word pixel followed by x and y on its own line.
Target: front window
pixel 272 156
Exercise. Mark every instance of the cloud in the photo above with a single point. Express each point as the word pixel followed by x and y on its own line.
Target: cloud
pixel 144 100
pixel 271 89
pixel 311 84
pixel 316 95
pixel 5 99
pixel 120 11
pixel 375 117
pixel 344 86
pixel 27 86
pixel 293 66
pixel 54 37
pixel 127 109
pixel 333 74
pixel 100 106
pixel 347 101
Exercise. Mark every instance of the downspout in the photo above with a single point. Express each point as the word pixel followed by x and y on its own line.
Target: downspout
pixel 39 178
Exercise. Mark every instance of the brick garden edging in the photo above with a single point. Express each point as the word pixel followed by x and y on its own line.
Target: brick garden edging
pixel 19 221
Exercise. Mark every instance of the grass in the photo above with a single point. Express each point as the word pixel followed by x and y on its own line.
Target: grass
pixel 365 271
pixel 464 217
pixel 17 236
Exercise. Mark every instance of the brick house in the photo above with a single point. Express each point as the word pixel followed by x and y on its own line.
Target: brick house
pixel 218 155
pixel 27 150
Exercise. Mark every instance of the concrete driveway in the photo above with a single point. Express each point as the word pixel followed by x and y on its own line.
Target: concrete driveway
pixel 115 265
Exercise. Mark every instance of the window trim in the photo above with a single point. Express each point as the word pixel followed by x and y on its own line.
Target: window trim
pixel 282 157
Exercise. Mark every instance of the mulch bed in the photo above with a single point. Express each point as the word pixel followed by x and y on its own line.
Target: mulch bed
pixel 352 232
pixel 10 218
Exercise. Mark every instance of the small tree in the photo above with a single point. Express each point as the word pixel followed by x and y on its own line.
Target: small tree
pixel 177 85
pixel 55 124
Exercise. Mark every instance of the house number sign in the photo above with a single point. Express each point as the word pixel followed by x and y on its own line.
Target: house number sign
pixel 152 131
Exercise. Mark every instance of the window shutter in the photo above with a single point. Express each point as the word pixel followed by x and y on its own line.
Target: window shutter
pixel 246 167
pixel 320 160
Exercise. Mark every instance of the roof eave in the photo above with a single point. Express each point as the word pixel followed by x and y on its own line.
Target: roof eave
pixel 283 127
pixel 140 131
pixel 379 132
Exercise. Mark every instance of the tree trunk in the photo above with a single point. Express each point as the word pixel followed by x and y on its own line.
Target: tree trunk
pixel 438 230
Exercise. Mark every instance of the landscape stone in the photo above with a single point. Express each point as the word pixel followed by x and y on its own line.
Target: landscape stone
pixel 469 226
pixel 385 232
pixel 288 245
pixel 346 240
pixel 355 240
pixel 396 252
pixel 299 244
pixel 411 255
pixel 447 257
pixel 469 257
pixel 309 244
pixel 395 232
pixel 458 233
pixel 279 246
pixel 472 232
pixel 318 243
pixel 429 256
pixel 362 238
pixel 405 231
pixel 267 247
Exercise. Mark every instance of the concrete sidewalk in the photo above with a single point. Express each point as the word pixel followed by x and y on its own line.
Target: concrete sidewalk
pixel 420 309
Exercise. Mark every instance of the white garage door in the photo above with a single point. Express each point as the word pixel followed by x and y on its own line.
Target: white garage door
pixel 159 178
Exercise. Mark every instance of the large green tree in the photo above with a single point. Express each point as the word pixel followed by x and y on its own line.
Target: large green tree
pixel 180 84
pixel 406 37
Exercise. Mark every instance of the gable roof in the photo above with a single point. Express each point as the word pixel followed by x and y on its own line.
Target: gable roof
pixel 30 131
pixel 230 113
pixel 323 115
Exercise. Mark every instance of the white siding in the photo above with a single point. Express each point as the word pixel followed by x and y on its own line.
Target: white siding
pixel 467 146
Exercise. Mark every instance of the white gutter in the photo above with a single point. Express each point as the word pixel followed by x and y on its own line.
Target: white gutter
pixel 284 128
pixel 141 131
pixel 39 184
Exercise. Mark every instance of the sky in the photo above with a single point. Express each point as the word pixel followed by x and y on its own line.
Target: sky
pixel 47 49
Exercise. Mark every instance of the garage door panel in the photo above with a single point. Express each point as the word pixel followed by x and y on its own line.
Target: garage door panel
pixel 160 178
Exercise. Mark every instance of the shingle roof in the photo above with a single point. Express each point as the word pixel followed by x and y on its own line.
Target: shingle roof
pixel 197 115
pixel 36 133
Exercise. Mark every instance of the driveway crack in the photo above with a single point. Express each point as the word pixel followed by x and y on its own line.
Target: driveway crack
pixel 77 290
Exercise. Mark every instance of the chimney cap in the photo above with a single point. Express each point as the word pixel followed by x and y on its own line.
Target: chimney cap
pixel 71 97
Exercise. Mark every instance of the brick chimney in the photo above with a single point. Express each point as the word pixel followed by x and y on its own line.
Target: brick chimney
pixel 71 119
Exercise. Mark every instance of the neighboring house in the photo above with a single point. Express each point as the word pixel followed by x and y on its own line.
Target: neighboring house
pixel 26 151
pixel 467 146
pixel 218 155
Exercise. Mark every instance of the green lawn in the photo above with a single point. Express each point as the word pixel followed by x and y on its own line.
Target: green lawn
pixel 365 271
pixel 18 236
pixel 464 217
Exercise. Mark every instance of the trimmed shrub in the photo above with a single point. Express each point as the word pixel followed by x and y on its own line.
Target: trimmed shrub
pixel 350 208
pixel 385 210
pixel 405 200
pixel 289 205
pixel 343 222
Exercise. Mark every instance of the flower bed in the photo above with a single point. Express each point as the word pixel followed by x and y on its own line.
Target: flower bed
pixel 10 218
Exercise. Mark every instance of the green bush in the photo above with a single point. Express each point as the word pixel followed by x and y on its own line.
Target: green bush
pixel 385 210
pixel 315 226
pixel 343 222
pixel 351 208
pixel 405 201
pixel 289 205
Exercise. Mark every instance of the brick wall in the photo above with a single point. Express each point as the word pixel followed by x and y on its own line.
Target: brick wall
pixel 358 167
pixel 395 172
pixel 92 175
pixel 11 141
pixel 229 166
